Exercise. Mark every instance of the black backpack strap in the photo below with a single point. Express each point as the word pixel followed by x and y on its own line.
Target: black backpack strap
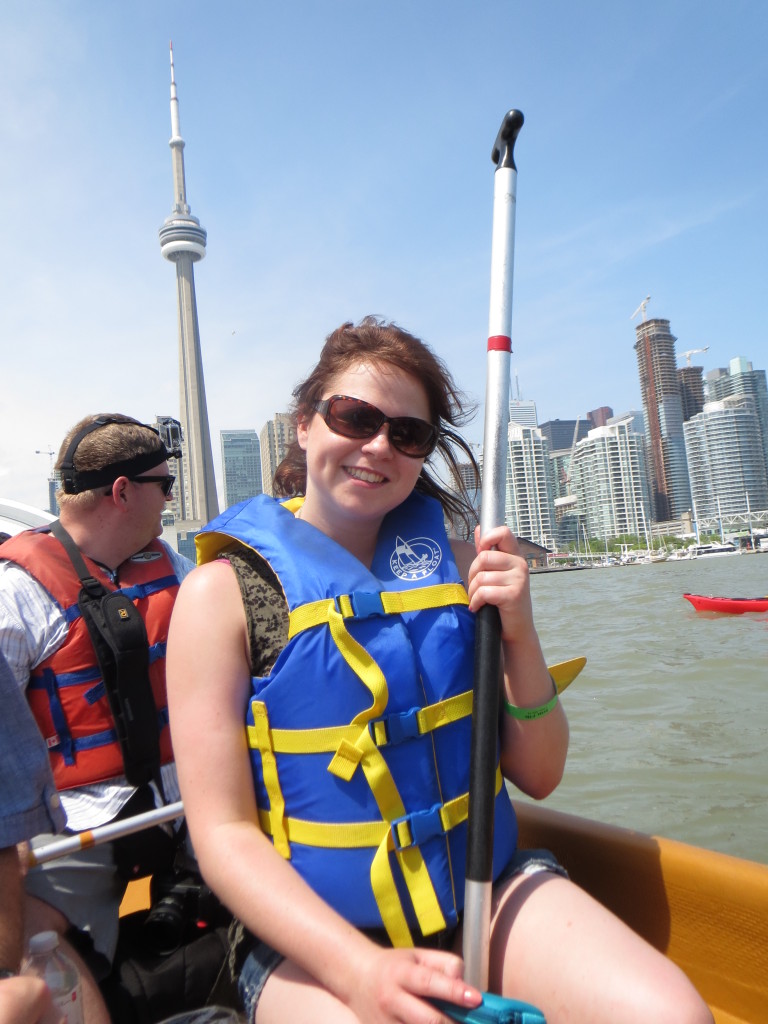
pixel 120 642
pixel 91 584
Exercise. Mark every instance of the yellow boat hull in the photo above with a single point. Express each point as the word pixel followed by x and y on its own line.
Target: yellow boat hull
pixel 706 911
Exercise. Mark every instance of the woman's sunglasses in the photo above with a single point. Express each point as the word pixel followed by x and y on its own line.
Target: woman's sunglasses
pixel 352 417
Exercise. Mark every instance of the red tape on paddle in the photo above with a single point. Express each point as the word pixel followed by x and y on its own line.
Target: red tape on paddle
pixel 499 343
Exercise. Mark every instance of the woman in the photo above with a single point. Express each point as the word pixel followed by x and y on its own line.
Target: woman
pixel 337 626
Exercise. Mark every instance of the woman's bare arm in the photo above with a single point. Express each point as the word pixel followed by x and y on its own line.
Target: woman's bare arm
pixel 533 752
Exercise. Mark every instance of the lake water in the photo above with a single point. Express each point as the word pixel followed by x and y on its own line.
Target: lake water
pixel 669 718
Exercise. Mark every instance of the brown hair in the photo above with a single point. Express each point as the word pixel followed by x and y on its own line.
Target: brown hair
pixel 119 439
pixel 377 341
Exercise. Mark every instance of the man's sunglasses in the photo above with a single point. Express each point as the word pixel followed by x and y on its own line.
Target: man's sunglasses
pixel 166 482
pixel 352 417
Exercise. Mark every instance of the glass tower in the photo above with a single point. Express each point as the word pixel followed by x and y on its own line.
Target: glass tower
pixel 529 510
pixel 725 458
pixel 611 481
pixel 741 379
pixel 241 463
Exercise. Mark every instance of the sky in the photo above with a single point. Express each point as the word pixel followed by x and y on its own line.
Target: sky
pixel 338 155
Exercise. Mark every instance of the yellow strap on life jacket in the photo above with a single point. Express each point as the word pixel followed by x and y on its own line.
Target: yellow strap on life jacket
pixel 259 737
pixel 353 835
pixel 316 613
pixel 432 717
pixel 326 740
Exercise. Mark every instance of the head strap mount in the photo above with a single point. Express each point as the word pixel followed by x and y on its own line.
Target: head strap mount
pixel 74 481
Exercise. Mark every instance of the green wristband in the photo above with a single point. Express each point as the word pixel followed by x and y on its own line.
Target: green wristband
pixel 528 714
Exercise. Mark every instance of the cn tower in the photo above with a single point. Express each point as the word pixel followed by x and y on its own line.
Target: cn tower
pixel 182 241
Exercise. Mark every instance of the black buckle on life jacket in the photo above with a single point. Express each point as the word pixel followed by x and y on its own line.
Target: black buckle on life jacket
pixel 397 728
pixel 416 828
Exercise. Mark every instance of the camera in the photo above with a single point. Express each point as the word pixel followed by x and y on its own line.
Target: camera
pixel 182 906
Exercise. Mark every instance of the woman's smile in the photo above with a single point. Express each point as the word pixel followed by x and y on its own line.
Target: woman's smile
pixel 367 476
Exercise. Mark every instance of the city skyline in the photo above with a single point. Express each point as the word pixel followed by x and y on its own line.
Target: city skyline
pixel 334 190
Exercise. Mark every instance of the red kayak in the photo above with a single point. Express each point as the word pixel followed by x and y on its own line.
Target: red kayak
pixel 727 605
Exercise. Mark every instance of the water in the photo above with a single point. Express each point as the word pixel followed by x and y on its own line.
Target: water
pixel 669 719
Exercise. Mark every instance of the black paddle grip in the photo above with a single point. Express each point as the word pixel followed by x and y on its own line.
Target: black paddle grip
pixel 484 749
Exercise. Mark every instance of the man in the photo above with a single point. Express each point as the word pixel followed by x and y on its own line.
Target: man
pixel 29 804
pixel 115 482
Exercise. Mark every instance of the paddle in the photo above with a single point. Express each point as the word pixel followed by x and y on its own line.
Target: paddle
pixel 103 833
pixel 494 1009
pixel 479 872
pixel 565 672
pixel 485 711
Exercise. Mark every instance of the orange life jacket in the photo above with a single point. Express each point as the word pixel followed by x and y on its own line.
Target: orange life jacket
pixel 66 691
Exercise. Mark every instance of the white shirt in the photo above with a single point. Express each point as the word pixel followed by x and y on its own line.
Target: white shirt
pixel 32 627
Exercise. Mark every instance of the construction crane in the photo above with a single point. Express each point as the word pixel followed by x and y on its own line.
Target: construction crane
pixel 693 351
pixel 569 499
pixel 641 308
pixel 50 453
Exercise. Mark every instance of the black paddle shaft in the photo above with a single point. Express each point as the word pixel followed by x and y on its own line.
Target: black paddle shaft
pixel 482 764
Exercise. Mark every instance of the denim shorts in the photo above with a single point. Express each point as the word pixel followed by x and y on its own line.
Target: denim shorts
pixel 262 959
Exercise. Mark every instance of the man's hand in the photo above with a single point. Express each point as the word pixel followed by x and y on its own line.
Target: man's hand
pixel 27 1000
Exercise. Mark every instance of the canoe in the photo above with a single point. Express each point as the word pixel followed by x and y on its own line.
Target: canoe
pixel 727 605
pixel 706 911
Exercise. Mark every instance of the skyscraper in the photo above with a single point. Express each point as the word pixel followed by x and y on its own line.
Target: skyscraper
pixel 691 382
pixel 599 417
pixel 275 438
pixel 610 480
pixel 663 406
pixel 725 458
pixel 561 437
pixel 241 461
pixel 466 474
pixel 523 412
pixel 529 511
pixel 741 379
pixel 182 241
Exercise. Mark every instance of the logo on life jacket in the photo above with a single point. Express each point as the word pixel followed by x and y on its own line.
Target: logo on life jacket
pixel 146 556
pixel 415 559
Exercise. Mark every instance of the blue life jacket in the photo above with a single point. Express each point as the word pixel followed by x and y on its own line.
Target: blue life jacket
pixel 360 735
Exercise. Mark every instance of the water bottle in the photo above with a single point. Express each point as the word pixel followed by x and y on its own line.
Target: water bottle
pixel 46 961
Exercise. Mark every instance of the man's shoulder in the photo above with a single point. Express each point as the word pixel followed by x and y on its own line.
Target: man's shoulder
pixel 34 561
pixel 19 544
pixel 14 576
